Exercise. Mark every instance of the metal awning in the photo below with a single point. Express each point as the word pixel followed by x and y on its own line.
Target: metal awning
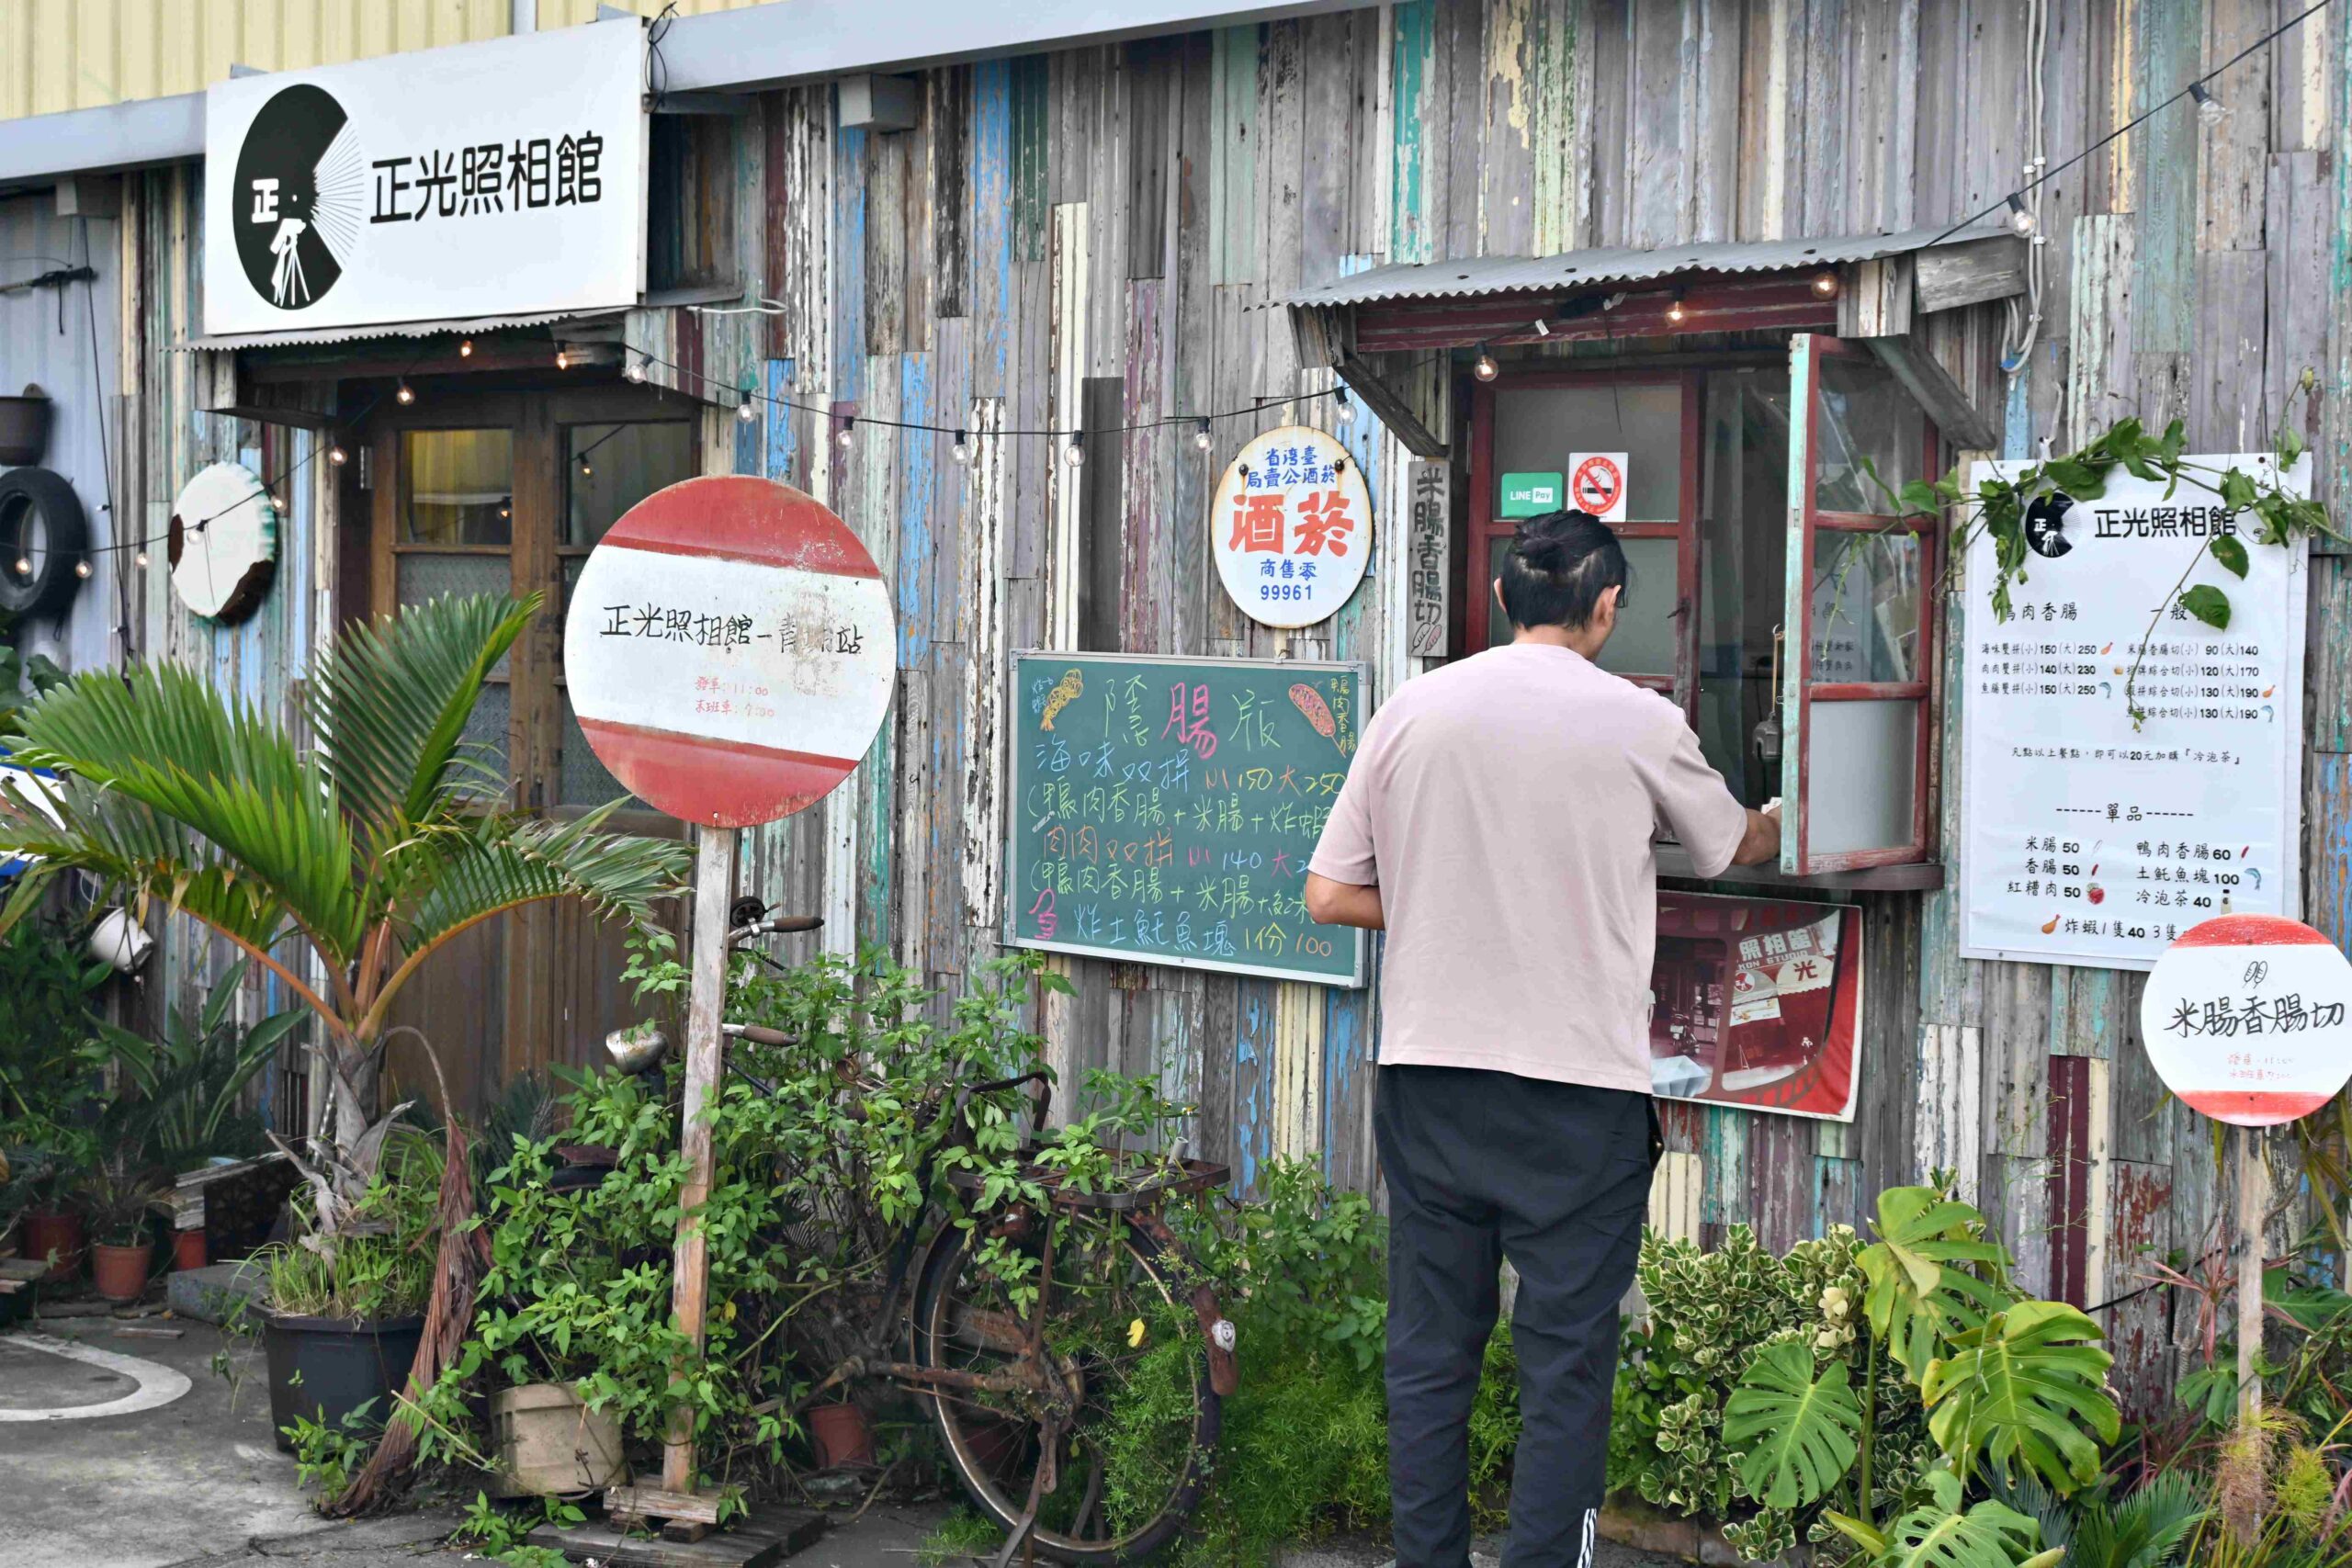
pixel 469 326
pixel 1379 330
pixel 1576 271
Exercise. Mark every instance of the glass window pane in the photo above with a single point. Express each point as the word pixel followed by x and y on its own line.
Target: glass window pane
pixel 1537 427
pixel 1643 643
pixel 1860 768
pixel 583 780
pixel 460 487
pixel 486 726
pixel 1865 415
pixel 610 467
pixel 420 578
pixel 425 577
pixel 1743 540
pixel 1866 599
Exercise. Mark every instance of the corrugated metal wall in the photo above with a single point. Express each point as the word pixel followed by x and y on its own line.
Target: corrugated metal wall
pixel 72 54
pixel 66 340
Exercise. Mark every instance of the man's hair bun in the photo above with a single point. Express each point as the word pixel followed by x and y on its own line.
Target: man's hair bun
pixel 1558 565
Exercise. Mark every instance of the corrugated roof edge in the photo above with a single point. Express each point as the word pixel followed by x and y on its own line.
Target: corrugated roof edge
pixel 1477 278
pixel 396 329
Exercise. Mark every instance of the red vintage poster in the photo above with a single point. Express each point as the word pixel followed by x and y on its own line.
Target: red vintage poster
pixel 1755 1002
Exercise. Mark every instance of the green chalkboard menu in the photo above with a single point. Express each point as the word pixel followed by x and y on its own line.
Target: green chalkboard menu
pixel 1163 809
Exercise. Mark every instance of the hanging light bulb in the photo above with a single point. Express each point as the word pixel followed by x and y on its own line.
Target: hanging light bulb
pixel 636 371
pixel 584 469
pixel 962 450
pixel 1202 438
pixel 1674 310
pixel 744 411
pixel 1346 410
pixel 465 348
pixel 2020 219
pixel 337 455
pixel 1486 369
pixel 505 510
pixel 1074 452
pixel 404 396
pixel 1825 283
pixel 842 437
pixel 141 558
pixel 82 569
pixel 2210 110
pixel 24 566
pixel 562 359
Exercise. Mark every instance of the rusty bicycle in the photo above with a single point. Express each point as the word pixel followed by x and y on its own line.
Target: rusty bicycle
pixel 1055 1326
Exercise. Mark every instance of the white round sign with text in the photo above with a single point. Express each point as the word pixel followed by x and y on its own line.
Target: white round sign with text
pixel 2245 1020
pixel 1291 527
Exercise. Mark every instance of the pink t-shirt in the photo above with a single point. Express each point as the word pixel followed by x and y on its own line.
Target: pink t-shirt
pixel 1504 805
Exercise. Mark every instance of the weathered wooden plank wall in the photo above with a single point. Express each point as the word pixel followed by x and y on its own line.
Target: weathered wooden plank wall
pixel 1134 215
pixel 1113 229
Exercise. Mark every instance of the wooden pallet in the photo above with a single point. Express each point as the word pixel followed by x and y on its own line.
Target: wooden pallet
pixel 766 1536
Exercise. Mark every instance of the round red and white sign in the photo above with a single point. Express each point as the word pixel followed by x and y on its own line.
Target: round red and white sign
pixel 1598 485
pixel 730 650
pixel 2245 1019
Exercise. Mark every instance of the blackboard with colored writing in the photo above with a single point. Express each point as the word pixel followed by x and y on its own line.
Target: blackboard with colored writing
pixel 1163 810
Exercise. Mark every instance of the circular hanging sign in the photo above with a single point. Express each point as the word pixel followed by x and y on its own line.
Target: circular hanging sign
pixel 223 542
pixel 1291 527
pixel 730 650
pixel 2244 1019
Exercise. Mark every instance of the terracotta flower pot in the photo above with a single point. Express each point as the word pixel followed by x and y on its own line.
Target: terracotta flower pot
pixel 49 1232
pixel 843 1435
pixel 187 1248
pixel 120 1272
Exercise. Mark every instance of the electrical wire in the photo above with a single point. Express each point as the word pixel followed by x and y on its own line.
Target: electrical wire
pixel 2025 317
pixel 2135 123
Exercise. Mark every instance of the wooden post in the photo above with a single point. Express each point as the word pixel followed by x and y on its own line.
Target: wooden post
pixel 2253 1197
pixel 706 1009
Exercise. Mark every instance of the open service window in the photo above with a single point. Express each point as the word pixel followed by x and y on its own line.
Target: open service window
pixel 1811 684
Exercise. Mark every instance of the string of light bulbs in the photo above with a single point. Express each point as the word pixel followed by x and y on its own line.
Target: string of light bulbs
pixel 1074 438
pixel 332 450
pixel 2211 111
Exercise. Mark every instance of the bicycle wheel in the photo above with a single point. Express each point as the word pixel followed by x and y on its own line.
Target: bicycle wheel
pixel 1119 1385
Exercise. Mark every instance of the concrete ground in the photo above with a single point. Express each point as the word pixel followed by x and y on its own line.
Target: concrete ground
pixel 171 1465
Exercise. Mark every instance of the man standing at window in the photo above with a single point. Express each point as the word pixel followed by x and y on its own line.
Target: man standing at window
pixel 1497 823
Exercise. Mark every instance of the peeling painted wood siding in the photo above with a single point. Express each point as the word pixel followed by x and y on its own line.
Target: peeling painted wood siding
pixel 1134 214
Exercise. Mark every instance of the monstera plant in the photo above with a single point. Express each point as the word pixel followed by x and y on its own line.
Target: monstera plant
pixel 341 860
pixel 2014 1390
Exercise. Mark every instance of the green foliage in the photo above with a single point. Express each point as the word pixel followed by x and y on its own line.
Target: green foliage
pixel 1711 1313
pixel 1997 507
pixel 1809 1428
pixel 2146 1530
pixel 378 1262
pixel 502 1533
pixel 1939 1534
pixel 188 1085
pixel 2027 1385
pixel 324 1456
pixel 1879 1379
pixel 48 1078
pixel 371 840
pixel 1924 1283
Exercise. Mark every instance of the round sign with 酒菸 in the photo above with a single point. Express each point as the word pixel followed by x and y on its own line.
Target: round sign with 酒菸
pixel 1291 527
pixel 2245 1019
pixel 730 650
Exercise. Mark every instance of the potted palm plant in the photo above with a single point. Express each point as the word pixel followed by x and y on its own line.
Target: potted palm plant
pixel 371 844
pixel 116 1197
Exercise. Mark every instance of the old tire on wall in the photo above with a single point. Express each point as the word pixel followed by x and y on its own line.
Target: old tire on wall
pixel 41 521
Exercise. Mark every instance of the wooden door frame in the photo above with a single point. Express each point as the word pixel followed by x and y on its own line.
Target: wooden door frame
pixel 538 415
pixel 1478 594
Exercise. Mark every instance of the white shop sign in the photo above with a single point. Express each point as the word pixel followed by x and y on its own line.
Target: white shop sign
pixel 2083 839
pixel 492 178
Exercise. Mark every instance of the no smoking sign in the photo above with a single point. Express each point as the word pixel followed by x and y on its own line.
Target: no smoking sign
pixel 1597 484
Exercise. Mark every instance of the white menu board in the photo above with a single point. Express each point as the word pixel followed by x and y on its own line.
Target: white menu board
pixel 2085 841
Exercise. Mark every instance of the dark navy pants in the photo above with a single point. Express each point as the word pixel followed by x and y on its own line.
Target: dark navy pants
pixel 1481 1167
